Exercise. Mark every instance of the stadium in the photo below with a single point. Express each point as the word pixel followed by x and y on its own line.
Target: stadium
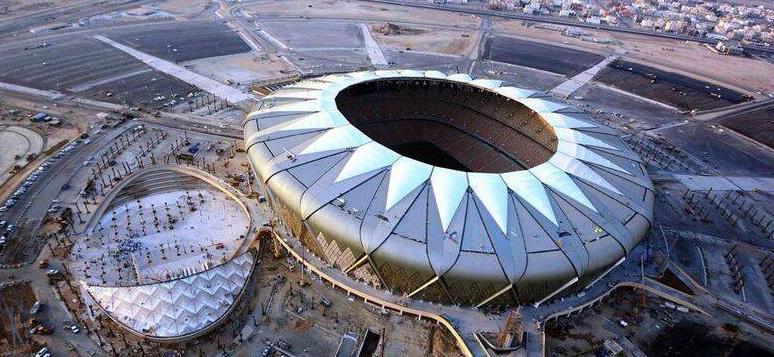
pixel 448 189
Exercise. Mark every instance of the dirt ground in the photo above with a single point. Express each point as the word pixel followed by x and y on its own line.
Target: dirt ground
pixel 758 126
pixel 183 7
pixel 347 9
pixel 294 313
pixel 652 329
pixel 15 304
pixel 667 87
pixel 677 56
pixel 241 68
pixel 16 8
pixel 425 39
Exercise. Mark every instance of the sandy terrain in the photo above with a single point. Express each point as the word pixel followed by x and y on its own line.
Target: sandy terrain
pixel 183 7
pixel 345 9
pixel 692 59
pixel 16 8
pixel 432 40
pixel 16 300
pixel 17 141
pixel 240 68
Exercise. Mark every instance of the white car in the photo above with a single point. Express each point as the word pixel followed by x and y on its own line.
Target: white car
pixel 75 329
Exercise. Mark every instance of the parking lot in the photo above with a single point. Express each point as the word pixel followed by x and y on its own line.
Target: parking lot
pixel 181 41
pixel 63 63
pixel 36 194
pixel 151 89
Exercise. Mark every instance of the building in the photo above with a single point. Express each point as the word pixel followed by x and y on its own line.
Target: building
pixel 729 48
pixel 446 188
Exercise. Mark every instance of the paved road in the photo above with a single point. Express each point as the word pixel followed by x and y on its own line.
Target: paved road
pixel 726 112
pixel 54 313
pixel 31 207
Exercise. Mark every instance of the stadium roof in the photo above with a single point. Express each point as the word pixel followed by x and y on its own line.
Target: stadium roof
pixel 177 308
pixel 593 192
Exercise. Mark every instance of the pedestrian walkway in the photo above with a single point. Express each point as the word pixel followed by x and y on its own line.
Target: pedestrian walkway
pixel 726 183
pixel 570 86
pixel 375 54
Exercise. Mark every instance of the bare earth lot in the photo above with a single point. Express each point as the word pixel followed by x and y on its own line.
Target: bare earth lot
pixel 670 88
pixel 545 57
pixel 758 126
pixel 15 304
pixel 425 39
pixel 346 9
pixel 748 75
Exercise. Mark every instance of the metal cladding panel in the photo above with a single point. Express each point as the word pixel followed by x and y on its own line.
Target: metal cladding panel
pixel 578 211
pixel 638 226
pixel 600 253
pixel 546 272
pixel 358 202
pixel 250 129
pixel 384 223
pixel 475 237
pixel 443 248
pixel 288 162
pixel 313 121
pixel 287 189
pixel 346 230
pixel 310 171
pixel 259 156
pixel 475 277
pixel 403 264
pixel 568 241
pixel 508 245
pixel 286 145
pixel 413 224
pixel 533 233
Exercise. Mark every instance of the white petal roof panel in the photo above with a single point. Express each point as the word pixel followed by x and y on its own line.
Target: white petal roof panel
pixel 520 207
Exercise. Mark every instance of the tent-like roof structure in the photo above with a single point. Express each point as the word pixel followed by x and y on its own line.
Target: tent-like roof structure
pixel 437 233
pixel 180 308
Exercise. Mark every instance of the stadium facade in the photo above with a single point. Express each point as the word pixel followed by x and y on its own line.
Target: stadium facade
pixel 449 189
